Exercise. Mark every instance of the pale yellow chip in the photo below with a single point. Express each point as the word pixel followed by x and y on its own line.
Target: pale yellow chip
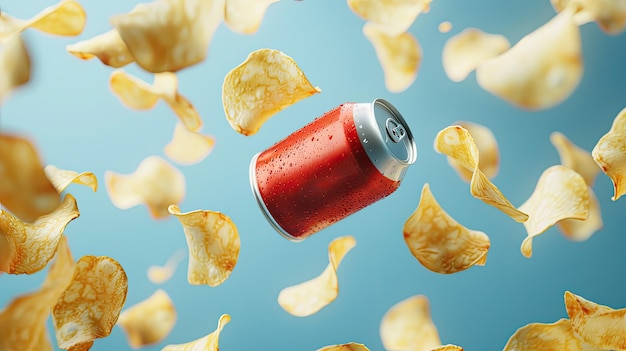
pixel 583 229
pixel 575 158
pixel 557 336
pixel 155 183
pixel 439 242
pixel 610 154
pixel 139 95
pixel 457 143
pixel 187 147
pixel 245 16
pixel 541 70
pixel 487 145
pixel 444 27
pixel 351 346
pixel 598 325
pixel 560 194
pixel 66 18
pixel 109 48
pixel 463 52
pixel 448 347
pixel 14 64
pixel 264 84
pixel 213 242
pixel 161 274
pixel 206 343
pixel 400 56
pixel 90 306
pixel 169 35
pixel 394 16
pixel 308 298
pixel 609 14
pixel 149 321
pixel 407 326
pixel 62 178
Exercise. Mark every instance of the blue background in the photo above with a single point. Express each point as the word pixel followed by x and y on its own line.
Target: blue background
pixel 78 124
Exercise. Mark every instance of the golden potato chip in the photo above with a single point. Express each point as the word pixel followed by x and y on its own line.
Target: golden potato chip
pixel 109 48
pixel 66 18
pixel 610 154
pixel 600 326
pixel 265 83
pixel 351 346
pixel 440 243
pixel 457 143
pixel 407 326
pixel 213 242
pixel 541 70
pixel 139 95
pixel 463 52
pixel 90 306
pixel 149 321
pixel 245 16
pixel 561 193
pixel 444 27
pixel 207 343
pixel 557 336
pixel 187 147
pixel 155 183
pixel 393 16
pixel 307 298
pixel 448 347
pixel 583 229
pixel 487 145
pixel 159 275
pixel 609 14
pixel 400 56
pixel 62 178
pixel 14 64
pixel 575 158
pixel 169 35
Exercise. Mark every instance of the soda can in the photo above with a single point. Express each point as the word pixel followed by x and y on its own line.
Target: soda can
pixel 343 161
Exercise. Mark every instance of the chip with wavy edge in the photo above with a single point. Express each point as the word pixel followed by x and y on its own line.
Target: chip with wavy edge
pixel 598 325
pixel 15 64
pixel 161 274
pixel 351 346
pixel 393 16
pixel 206 343
pixel 62 178
pixel 448 347
pixel 149 321
pixel 309 297
pixel 609 14
pixel 108 47
pixel 407 326
pixel 187 147
pixel 557 336
pixel 245 16
pixel 66 18
pixel 610 154
pixel 487 146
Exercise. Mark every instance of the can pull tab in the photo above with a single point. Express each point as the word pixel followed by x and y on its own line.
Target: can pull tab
pixel 395 130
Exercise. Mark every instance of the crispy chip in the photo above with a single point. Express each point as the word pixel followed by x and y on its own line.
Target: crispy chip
pixel 14 64
pixel 169 35
pixel 581 230
pixel 139 95
pixel 610 154
pixel 600 326
pixel 487 145
pixel 307 298
pixel 207 343
pixel 265 83
pixel 61 178
pixel 558 336
pixel 400 56
pixel 90 306
pixel 448 347
pixel 457 143
pixel 245 16
pixel 351 346
pixel 213 242
pixel 541 70
pixel 159 275
pixel 109 48
pixel 444 27
pixel 609 14
pixel 575 158
pixel 560 193
pixel 155 183
pixel 66 18
pixel 150 321
pixel 187 147
pixel 393 16
pixel 407 326
pixel 463 52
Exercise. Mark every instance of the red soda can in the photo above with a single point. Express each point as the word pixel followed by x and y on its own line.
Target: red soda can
pixel 343 161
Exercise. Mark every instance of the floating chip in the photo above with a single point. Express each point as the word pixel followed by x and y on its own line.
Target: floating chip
pixel 14 64
pixel 575 158
pixel 407 326
pixel 150 321
pixel 187 147
pixel 155 183
pixel 609 14
pixel 207 343
pixel 90 306
pixel 109 48
pixel 394 16
pixel 139 95
pixel 62 178
pixel 444 27
pixel 561 193
pixel 610 154
pixel 487 145
pixel 557 336
pixel 159 275
pixel 583 229
pixel 245 16
pixel 213 242
pixel 265 83
pixel 457 143
pixel 307 298
pixel 541 70
pixel 448 347
pixel 600 326
pixel 351 346
pixel 463 52
pixel 400 56
pixel 66 18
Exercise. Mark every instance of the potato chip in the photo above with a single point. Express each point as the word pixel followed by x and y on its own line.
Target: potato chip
pixel 169 35
pixel 487 145
pixel 457 143
pixel 393 16
pixel 207 343
pixel 30 246
pixel 610 154
pixel 213 242
pixel 609 14
pixel 583 229
pixel 139 95
pixel 444 27
pixel 541 70
pixel 407 326
pixel 90 306
pixel 149 321
pixel 187 147
pixel 155 183
pixel 308 298
pixel 448 347
pixel 351 346
pixel 265 83
pixel 561 193
pixel 14 64
pixel 463 52
pixel 575 158
pixel 62 178
pixel 159 275
pixel 600 326
pixel 245 16
pixel 400 56
pixel 109 48
pixel 66 18
pixel 557 336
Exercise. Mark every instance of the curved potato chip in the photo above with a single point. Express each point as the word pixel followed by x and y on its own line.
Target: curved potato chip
pixel 213 242
pixel 487 146
pixel 575 158
pixel 351 346
pixel 407 326
pixel 245 16
pixel 309 297
pixel 14 64
pixel 139 95
pixel 61 178
pixel 558 336
pixel 207 343
pixel 400 56
pixel 265 83
pixel 448 347
pixel 609 14
pixel 187 147
pixel 66 18
pixel 155 183
pixel 444 27
pixel 610 154
pixel 600 326
pixel 150 321
pixel 159 275
pixel 90 306
pixel 439 242
pixel 109 48
pixel 457 143
pixel 463 52
pixel 393 16
pixel 583 229
pixel 561 193
pixel 541 70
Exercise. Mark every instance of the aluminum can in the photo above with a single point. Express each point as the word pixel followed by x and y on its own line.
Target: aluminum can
pixel 343 161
